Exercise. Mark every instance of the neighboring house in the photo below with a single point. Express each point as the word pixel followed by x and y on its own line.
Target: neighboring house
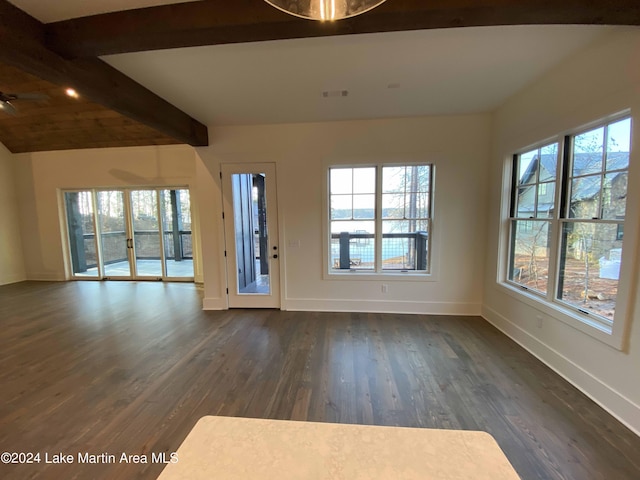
pixel 594 194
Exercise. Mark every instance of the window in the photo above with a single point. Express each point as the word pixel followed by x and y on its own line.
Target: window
pixel 380 218
pixel 566 243
pixel 532 208
pixel 595 197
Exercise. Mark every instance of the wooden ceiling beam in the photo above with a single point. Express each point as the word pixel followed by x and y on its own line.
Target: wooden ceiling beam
pixel 211 22
pixel 23 25
pixel 21 47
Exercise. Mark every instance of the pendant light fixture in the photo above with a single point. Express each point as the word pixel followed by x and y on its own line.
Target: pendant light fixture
pixel 325 10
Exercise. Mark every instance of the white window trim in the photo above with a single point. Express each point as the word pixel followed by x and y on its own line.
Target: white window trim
pixel 617 335
pixel 386 275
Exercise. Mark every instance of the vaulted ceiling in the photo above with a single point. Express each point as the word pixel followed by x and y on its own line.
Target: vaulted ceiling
pixel 45 49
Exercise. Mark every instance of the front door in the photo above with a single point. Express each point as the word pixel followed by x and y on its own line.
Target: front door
pixel 251 235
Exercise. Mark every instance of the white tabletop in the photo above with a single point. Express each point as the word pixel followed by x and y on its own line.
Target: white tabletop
pixel 225 448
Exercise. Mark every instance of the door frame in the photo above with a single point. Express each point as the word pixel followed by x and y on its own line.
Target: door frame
pixel 249 300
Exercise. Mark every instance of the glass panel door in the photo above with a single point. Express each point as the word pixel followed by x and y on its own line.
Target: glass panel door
pixel 178 246
pixel 114 241
pixel 251 232
pixel 82 234
pixel 146 233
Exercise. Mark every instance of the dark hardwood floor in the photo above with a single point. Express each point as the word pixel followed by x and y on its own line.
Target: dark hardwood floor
pixel 111 367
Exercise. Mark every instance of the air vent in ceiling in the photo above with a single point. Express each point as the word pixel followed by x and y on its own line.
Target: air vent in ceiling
pixel 335 93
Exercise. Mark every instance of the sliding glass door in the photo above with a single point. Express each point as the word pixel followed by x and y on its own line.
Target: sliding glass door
pixel 129 234
pixel 146 234
pixel 114 242
pixel 81 227
pixel 178 242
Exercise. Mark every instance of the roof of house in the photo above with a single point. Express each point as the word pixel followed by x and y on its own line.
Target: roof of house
pixel 585 166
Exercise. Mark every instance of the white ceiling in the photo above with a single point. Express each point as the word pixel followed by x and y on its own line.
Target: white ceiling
pixel 430 72
pixel 434 72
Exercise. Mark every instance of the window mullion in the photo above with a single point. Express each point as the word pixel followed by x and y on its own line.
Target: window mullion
pixel 512 215
pixel 98 233
pixel 600 210
pixel 514 186
pixel 565 185
pixel 555 223
pixel 561 234
pixel 603 170
pixel 378 220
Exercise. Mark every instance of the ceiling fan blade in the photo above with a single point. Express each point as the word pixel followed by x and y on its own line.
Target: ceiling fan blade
pixel 31 96
pixel 6 107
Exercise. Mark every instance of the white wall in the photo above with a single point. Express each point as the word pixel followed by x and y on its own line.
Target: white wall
pixel 40 176
pixel 602 80
pixel 457 145
pixel 11 260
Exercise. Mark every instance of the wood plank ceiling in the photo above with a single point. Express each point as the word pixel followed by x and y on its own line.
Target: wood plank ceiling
pixel 113 110
pixel 61 122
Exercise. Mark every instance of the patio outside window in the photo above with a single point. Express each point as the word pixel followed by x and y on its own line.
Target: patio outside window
pixel 380 218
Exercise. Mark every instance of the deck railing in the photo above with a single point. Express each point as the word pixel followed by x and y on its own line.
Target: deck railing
pixel 114 246
pixel 400 251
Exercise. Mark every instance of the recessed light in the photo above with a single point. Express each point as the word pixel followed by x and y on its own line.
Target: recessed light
pixel 72 93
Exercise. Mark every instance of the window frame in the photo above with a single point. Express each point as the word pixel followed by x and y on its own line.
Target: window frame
pixel 534 219
pixel 550 304
pixel 378 272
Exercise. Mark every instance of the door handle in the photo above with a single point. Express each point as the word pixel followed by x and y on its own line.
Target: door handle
pixel 129 242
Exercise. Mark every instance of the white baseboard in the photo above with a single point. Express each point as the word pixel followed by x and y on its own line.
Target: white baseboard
pixel 211 303
pixel 381 306
pixel 619 406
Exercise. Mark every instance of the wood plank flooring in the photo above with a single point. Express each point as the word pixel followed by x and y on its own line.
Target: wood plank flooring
pixel 113 367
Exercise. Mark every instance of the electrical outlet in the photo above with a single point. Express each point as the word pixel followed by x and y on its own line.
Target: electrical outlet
pixel 539 320
pixel 385 288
